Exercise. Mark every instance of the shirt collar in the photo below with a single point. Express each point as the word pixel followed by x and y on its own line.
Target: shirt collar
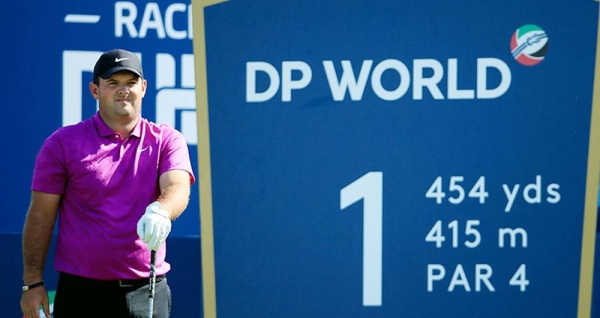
pixel 105 131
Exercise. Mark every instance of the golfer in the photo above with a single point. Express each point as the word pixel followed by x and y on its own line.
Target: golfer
pixel 115 181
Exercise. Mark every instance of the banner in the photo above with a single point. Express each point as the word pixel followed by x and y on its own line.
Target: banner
pixel 398 158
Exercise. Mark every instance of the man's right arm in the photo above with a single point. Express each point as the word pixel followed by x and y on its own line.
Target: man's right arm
pixel 37 234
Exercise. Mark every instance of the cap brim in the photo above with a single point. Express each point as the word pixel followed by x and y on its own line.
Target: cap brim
pixel 113 70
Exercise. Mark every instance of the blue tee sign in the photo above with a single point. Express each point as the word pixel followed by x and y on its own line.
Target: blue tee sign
pixel 398 158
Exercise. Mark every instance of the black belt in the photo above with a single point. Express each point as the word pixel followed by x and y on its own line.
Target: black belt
pixel 125 283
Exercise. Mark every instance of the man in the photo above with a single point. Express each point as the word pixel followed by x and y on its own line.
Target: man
pixel 117 181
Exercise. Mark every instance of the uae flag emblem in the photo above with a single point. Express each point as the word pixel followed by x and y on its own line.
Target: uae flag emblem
pixel 529 44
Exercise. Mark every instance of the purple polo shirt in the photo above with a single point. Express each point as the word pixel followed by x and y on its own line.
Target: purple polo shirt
pixel 106 184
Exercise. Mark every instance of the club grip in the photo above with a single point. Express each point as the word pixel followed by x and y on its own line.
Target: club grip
pixel 152 284
pixel 152 274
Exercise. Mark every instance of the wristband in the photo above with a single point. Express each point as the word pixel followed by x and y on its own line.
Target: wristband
pixel 34 285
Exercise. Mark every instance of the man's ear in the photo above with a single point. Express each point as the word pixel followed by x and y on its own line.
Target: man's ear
pixel 94 90
pixel 144 87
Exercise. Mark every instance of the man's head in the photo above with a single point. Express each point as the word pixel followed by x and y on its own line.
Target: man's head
pixel 114 61
pixel 119 87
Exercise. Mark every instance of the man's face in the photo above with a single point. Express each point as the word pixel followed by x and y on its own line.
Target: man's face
pixel 120 95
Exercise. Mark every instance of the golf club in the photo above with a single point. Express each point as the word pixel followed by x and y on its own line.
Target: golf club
pixel 152 284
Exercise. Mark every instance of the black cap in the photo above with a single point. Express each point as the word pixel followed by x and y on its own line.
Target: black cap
pixel 117 60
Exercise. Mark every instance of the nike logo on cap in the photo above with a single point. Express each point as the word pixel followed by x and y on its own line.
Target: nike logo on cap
pixel 119 59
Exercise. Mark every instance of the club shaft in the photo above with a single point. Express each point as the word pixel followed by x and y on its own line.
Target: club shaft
pixel 152 284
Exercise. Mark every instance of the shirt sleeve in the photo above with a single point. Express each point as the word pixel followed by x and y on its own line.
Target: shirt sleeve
pixel 49 173
pixel 175 154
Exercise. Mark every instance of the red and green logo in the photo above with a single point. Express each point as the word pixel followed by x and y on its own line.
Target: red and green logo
pixel 529 44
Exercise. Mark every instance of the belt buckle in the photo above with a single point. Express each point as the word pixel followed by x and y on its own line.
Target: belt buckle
pixel 121 284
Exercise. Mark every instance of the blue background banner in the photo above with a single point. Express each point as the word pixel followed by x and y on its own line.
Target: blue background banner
pixel 369 158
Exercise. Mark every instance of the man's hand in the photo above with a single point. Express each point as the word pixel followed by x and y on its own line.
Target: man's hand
pixel 154 226
pixel 31 301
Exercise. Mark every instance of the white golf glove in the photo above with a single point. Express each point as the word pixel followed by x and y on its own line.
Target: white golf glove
pixel 154 226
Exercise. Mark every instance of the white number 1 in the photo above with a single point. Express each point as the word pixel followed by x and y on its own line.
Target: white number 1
pixel 369 188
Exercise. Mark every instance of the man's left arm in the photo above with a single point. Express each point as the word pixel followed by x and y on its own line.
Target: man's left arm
pixel 174 192
pixel 155 225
